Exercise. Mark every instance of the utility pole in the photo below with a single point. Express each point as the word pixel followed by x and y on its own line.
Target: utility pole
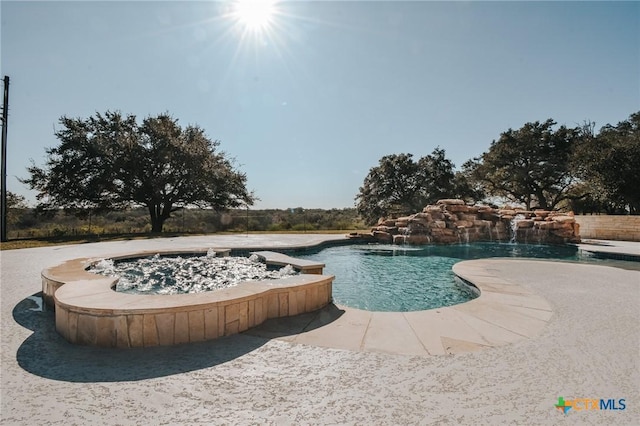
pixel 3 173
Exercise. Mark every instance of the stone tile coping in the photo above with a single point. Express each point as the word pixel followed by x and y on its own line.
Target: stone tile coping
pixel 609 249
pixel 88 310
pixel 77 268
pixel 302 265
pixel 504 313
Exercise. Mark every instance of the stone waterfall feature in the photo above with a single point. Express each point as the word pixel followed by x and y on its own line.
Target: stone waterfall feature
pixel 452 221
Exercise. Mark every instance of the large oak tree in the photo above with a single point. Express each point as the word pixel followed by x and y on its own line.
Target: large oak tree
pixel 531 165
pixel 109 161
pixel 608 164
pixel 400 185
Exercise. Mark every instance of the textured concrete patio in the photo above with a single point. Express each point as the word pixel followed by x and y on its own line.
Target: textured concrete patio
pixel 589 348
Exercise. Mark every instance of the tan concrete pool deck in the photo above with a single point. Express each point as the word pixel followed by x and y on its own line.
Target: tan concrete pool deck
pixel 543 330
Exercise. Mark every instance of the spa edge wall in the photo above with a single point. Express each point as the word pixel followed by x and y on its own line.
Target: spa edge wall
pixel 88 311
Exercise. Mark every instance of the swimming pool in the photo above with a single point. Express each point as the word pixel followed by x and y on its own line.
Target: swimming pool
pixel 379 277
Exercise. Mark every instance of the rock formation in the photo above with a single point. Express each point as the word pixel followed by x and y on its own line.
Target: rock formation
pixel 452 221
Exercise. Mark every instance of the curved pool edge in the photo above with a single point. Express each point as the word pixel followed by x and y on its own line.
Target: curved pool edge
pixel 430 332
pixel 504 313
pixel 88 311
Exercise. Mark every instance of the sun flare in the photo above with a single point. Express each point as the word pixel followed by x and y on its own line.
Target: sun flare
pixel 254 15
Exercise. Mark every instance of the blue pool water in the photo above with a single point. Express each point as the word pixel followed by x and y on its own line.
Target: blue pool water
pixel 379 277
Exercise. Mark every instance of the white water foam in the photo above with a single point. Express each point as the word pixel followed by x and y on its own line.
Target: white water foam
pixel 175 275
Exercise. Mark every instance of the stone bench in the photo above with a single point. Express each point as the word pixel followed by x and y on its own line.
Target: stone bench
pixel 304 266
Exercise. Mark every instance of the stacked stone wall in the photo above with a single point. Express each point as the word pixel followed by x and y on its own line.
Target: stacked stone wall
pixel 452 221
pixel 610 227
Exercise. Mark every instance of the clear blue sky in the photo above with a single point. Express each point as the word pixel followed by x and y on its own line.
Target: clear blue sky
pixel 311 103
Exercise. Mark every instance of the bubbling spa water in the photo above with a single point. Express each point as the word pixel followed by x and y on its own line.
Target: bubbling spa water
pixel 188 274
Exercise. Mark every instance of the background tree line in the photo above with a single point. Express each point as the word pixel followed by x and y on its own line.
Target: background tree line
pixel 110 167
pixel 537 166
pixel 26 222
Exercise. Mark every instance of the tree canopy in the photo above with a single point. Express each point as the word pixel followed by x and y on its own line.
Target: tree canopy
pixel 531 165
pixel 15 201
pixel 400 185
pixel 109 161
pixel 538 165
pixel 608 165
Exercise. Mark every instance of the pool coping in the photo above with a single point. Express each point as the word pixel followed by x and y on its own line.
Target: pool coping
pixel 504 313
pixel 610 249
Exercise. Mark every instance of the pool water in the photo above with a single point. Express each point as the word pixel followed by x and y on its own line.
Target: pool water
pixel 377 277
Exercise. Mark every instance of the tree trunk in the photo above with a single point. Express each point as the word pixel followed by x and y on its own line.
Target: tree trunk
pixel 157 217
pixel 542 200
pixel 156 224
